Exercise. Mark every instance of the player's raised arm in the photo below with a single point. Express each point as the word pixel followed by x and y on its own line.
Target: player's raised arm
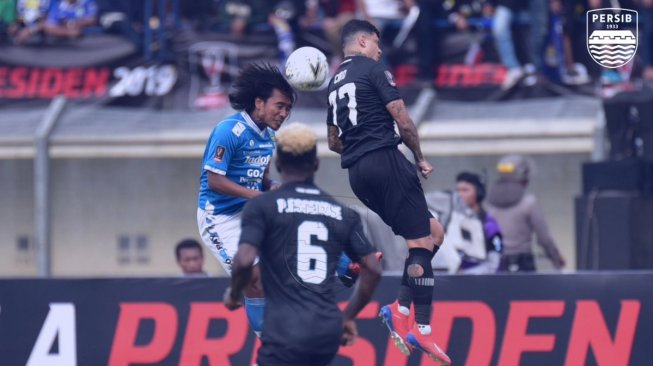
pixel 409 135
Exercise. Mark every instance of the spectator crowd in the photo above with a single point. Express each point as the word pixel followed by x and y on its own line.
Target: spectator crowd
pixel 534 40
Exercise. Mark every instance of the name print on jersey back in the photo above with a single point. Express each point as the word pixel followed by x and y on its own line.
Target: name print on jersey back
pixel 309 207
pixel 340 76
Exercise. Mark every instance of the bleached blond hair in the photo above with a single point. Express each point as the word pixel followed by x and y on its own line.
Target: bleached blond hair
pixel 296 139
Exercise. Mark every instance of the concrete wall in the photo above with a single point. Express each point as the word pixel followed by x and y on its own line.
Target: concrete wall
pixel 148 205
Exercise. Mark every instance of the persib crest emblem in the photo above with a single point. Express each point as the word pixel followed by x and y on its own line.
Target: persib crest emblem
pixel 612 36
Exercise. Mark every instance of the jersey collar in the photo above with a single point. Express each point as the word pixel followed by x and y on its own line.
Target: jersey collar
pixel 250 122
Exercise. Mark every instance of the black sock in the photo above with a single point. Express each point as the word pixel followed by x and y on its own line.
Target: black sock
pixel 421 280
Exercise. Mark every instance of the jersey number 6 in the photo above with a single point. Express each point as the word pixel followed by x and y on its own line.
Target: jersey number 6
pixel 311 259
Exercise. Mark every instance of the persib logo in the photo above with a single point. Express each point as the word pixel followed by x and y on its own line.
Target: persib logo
pixel 610 38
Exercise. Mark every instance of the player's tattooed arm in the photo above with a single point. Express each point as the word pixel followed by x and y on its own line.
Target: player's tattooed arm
pixel 334 140
pixel 409 135
pixel 407 128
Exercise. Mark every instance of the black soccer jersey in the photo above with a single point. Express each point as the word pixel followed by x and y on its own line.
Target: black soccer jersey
pixel 358 94
pixel 300 233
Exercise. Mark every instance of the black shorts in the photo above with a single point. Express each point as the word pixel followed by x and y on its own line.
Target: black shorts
pixel 387 183
pixel 277 355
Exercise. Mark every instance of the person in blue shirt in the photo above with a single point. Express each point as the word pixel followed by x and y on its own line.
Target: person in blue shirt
pixel 68 18
pixel 30 19
pixel 235 167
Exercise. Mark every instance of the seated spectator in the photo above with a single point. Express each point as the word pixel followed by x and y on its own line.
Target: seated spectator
pixel 520 216
pixel 68 18
pixel 471 190
pixel 30 20
pixel 7 17
pixel 473 17
pixel 240 17
pixel 190 258
pixel 459 12
pixel 472 243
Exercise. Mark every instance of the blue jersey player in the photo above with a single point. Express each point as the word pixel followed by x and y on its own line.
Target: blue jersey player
pixel 235 167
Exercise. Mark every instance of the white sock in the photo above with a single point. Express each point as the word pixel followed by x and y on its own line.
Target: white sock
pixel 424 329
pixel 404 310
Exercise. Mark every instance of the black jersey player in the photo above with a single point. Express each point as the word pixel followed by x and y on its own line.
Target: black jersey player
pixel 364 104
pixel 299 233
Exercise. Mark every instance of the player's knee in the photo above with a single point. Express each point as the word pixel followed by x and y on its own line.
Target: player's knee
pixel 419 263
pixel 420 274
pixel 437 232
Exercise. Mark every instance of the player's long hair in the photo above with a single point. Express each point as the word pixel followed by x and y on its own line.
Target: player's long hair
pixel 258 80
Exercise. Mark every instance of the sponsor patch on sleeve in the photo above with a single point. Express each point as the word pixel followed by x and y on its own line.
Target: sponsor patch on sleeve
pixel 219 154
pixel 238 129
pixel 391 81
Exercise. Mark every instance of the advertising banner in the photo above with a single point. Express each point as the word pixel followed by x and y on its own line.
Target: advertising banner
pixel 575 319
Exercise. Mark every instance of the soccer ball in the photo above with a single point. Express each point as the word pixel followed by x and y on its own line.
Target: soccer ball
pixel 307 69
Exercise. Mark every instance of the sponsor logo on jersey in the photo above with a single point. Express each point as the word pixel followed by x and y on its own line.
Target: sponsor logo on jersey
pixel 391 81
pixel 307 190
pixel 340 76
pixel 612 42
pixel 219 154
pixel 265 146
pixel 238 129
pixel 258 160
